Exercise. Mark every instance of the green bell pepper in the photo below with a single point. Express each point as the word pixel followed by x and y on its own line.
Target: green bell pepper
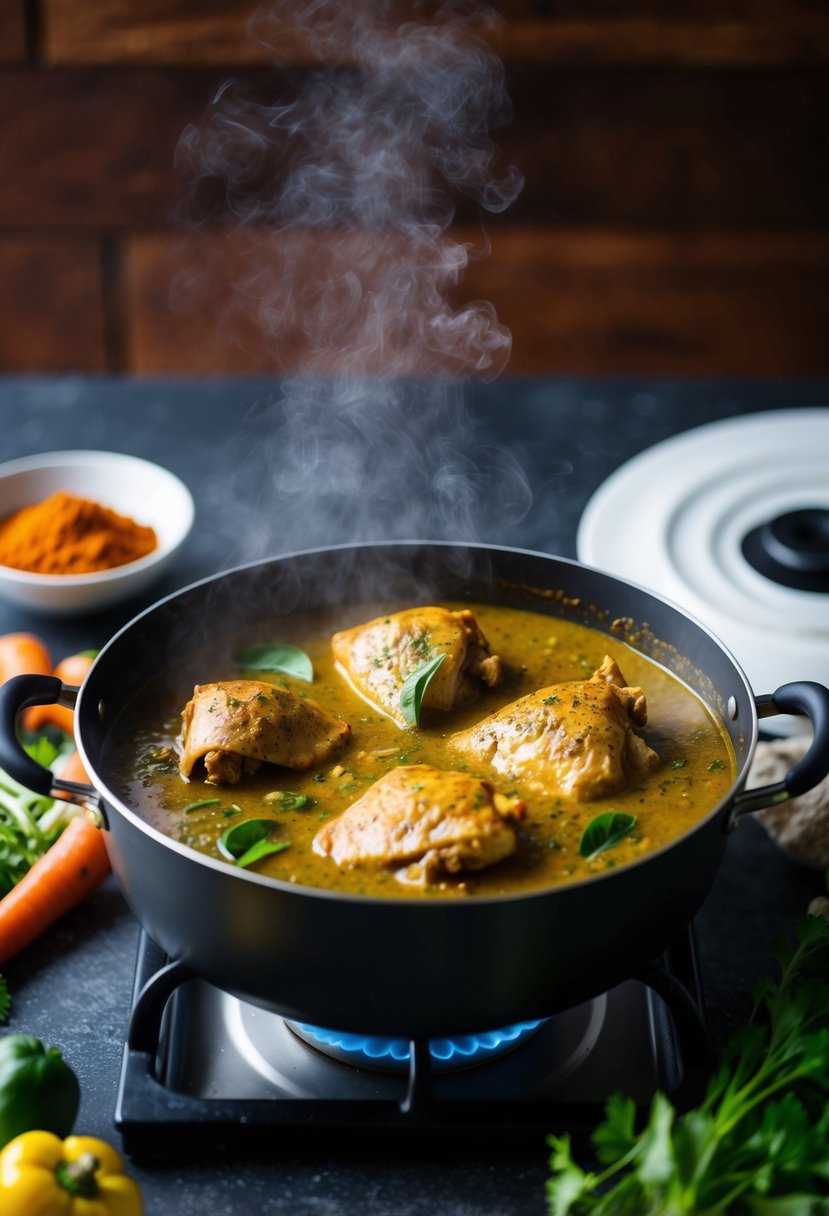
pixel 38 1089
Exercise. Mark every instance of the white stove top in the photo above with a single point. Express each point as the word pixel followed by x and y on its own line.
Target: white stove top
pixel 675 518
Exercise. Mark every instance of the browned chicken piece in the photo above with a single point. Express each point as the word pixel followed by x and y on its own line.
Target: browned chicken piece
pixel 378 657
pixel 424 821
pixel 575 738
pixel 236 725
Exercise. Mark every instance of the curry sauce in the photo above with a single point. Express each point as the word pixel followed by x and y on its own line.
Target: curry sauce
pixel 695 767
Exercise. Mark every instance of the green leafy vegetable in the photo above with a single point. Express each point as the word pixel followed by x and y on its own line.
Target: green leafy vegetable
pixel 604 832
pixel 411 694
pixel 250 841
pixel 758 1144
pixel 46 748
pixel 29 823
pixel 276 656
pixel 5 999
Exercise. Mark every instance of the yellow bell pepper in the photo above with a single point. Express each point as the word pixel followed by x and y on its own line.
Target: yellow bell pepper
pixel 42 1175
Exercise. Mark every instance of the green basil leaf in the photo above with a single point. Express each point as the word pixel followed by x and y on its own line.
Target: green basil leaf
pixel 263 848
pixel 250 841
pixel 411 694
pixel 605 831
pixel 276 656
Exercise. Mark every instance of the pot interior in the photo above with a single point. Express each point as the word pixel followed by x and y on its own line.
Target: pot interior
pixel 415 573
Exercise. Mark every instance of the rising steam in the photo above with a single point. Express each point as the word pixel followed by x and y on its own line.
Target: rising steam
pixel 341 183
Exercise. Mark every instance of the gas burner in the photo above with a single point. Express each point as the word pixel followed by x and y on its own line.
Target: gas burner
pixel 394 1055
pixel 280 1060
pixel 731 522
pixel 202 1067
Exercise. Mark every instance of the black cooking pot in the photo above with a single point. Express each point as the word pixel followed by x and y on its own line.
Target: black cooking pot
pixel 408 966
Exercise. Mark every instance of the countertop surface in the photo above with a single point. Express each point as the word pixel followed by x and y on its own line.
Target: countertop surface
pixel 277 467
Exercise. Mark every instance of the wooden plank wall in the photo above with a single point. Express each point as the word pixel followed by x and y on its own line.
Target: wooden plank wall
pixel 674 218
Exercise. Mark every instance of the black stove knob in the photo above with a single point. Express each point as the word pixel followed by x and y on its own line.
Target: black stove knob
pixel 792 549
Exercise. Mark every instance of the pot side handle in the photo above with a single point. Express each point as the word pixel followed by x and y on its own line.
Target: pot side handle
pixel 805 699
pixel 18 694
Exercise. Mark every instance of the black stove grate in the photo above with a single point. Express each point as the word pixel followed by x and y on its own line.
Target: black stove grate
pixel 652 1037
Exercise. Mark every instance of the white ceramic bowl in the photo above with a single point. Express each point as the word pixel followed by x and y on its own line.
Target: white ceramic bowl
pixel 143 491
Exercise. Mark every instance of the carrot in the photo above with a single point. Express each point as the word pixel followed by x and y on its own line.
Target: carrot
pixel 23 654
pixel 73 769
pixel 71 670
pixel 37 716
pixel 69 871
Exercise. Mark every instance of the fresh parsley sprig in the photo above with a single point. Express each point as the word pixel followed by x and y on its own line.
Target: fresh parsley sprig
pixel 758 1144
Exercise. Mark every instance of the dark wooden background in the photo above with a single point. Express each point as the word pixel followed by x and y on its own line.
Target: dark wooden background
pixel 675 217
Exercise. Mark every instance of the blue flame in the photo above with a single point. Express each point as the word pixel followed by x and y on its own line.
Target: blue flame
pixel 445 1052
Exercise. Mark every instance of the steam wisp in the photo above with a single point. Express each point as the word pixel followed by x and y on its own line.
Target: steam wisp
pixel 341 182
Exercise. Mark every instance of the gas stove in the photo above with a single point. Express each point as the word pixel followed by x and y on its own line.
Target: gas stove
pixel 202 1068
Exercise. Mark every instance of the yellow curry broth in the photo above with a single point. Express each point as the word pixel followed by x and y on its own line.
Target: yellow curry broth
pixel 696 766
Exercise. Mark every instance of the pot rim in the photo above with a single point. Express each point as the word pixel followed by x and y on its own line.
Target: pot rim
pixel 438 902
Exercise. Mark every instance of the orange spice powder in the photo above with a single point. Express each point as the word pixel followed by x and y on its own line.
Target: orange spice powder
pixel 69 535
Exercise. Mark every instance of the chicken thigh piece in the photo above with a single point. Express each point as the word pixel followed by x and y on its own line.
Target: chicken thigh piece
pixel 425 821
pixel 575 738
pixel 378 657
pixel 236 725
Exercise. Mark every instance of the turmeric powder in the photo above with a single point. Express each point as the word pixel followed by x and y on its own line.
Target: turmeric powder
pixel 69 535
